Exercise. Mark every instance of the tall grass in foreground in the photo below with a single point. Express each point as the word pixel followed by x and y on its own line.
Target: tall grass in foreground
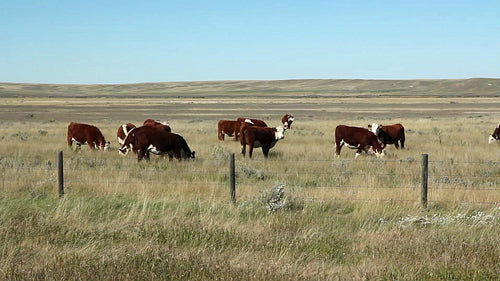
pixel 139 237
pixel 123 220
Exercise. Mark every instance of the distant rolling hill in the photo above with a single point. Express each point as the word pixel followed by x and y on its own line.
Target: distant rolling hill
pixel 485 87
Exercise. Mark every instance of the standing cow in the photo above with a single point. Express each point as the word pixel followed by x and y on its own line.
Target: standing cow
pixel 357 138
pixel 495 136
pixel 153 139
pixel 389 134
pixel 86 134
pixel 229 128
pixel 265 137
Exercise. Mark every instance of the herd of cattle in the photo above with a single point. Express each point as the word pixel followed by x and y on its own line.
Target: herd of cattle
pixel 156 137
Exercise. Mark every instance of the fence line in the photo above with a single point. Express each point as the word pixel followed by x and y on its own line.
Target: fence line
pixel 306 174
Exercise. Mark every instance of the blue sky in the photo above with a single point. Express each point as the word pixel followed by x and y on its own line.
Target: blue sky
pixel 92 42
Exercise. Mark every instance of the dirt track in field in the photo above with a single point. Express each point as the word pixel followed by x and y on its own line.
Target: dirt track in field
pixel 189 109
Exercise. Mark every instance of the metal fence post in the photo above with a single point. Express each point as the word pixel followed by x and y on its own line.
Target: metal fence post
pixel 61 173
pixel 425 176
pixel 232 179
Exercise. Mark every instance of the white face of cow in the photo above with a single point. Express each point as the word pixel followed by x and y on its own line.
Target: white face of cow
pixel 288 123
pixel 374 128
pixel 378 154
pixel 491 139
pixel 280 133
pixel 125 149
pixel 106 146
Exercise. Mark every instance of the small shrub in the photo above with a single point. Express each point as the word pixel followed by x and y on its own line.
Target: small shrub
pixel 249 172
pixel 275 200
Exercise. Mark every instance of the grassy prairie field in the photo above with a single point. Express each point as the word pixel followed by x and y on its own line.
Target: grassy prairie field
pixel 337 218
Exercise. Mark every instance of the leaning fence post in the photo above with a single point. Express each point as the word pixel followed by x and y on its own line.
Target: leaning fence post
pixel 425 176
pixel 61 175
pixel 232 179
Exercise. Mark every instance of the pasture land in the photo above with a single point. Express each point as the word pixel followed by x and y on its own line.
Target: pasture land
pixel 341 219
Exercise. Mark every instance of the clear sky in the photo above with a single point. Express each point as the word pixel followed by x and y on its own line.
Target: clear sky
pixel 90 42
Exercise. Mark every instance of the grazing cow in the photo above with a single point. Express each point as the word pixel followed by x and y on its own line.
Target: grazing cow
pixel 123 132
pixel 151 122
pixel 265 137
pixel 86 134
pixel 356 138
pixel 389 134
pixel 287 121
pixel 495 136
pixel 228 127
pixel 153 139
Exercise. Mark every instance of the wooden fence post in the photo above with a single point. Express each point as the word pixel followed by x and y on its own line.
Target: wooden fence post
pixel 232 179
pixel 425 176
pixel 61 174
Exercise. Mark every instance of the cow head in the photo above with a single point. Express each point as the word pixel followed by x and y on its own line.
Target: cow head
pixel 375 128
pixel 124 150
pixel 280 133
pixel 187 156
pixel 377 150
pixel 105 146
pixel 287 121
pixel 495 136
pixel 127 143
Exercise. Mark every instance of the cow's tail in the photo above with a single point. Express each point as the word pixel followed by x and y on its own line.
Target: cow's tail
pixel 243 141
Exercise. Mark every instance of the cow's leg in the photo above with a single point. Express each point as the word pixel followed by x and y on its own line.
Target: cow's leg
pixel 91 144
pixel 177 154
pixel 265 150
pixel 359 151
pixel 70 141
pixel 250 150
pixel 141 154
pixel 402 143
pixel 243 150
pixel 396 144
pixel 338 147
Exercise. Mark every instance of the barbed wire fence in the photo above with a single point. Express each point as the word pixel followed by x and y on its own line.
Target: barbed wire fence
pixel 418 180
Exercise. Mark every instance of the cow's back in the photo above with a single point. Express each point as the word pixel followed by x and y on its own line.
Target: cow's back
pixel 396 131
pixel 84 133
pixel 256 122
pixel 146 136
pixel 352 135
pixel 263 135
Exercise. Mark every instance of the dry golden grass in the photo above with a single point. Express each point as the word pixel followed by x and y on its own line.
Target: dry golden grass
pixel 346 219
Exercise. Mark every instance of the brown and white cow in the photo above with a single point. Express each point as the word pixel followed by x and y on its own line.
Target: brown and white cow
pixel 123 132
pixel 86 134
pixel 495 136
pixel 229 128
pixel 287 121
pixel 389 134
pixel 265 137
pixel 255 122
pixel 358 138
pixel 154 139
pixel 151 122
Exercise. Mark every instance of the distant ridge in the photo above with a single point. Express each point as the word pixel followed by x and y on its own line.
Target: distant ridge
pixel 292 88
